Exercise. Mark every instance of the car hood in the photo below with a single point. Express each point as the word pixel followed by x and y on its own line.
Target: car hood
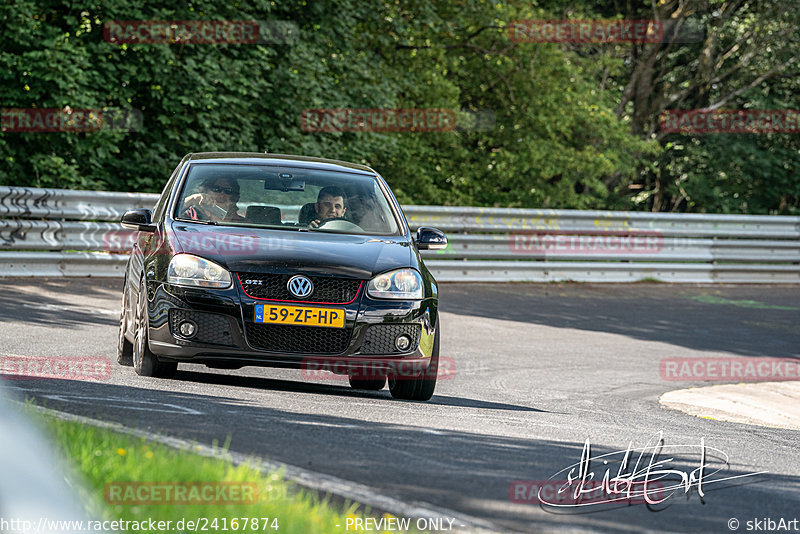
pixel 261 250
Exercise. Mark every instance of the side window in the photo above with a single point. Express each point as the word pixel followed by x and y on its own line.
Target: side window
pixel 165 194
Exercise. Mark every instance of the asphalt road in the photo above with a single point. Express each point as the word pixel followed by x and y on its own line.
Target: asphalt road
pixel 538 371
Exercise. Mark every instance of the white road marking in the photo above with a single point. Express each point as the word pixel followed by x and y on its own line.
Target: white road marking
pixel 67 307
pixel 113 402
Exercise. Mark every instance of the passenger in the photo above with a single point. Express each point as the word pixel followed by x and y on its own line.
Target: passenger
pixel 365 213
pixel 216 201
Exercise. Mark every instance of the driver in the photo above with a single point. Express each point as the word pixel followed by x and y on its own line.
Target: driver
pixel 330 204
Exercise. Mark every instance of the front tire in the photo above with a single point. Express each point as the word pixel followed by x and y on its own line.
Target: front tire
pixel 124 347
pixel 420 387
pixel 145 363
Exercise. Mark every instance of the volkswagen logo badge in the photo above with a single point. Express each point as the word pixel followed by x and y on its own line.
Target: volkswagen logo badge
pixel 300 286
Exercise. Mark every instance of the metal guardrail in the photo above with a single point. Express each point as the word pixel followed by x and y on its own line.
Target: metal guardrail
pixel 700 273
pixel 35 203
pixel 486 220
pixel 54 264
pixel 56 232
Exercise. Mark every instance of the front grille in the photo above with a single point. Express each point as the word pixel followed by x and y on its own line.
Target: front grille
pixel 379 338
pixel 302 339
pixel 326 289
pixel 211 327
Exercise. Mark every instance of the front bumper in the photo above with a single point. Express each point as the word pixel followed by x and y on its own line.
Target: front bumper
pixel 227 335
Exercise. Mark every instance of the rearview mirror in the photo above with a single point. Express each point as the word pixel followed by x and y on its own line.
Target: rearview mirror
pixel 284 182
pixel 140 220
pixel 430 239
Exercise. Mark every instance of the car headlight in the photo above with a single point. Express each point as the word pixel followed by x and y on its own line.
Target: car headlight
pixel 400 284
pixel 188 270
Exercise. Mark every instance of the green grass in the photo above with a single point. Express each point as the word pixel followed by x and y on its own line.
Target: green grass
pixel 711 299
pixel 103 457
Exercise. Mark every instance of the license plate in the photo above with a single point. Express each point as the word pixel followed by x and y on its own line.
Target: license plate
pixel 300 315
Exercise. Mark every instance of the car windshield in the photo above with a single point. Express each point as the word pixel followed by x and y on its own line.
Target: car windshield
pixel 285 198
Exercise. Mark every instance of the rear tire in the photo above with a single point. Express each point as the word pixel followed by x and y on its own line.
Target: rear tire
pixel 419 388
pixel 145 363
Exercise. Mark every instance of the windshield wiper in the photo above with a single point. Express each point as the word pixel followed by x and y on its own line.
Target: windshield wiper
pixel 197 221
pixel 247 224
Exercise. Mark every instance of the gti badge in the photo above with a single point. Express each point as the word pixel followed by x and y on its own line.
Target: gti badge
pixel 300 286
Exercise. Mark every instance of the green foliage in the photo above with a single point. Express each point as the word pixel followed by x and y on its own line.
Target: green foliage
pixel 562 134
pixel 730 55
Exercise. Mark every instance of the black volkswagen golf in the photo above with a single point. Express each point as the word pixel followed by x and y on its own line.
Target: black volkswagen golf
pixel 281 261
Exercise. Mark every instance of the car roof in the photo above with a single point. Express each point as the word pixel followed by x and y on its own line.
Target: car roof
pixel 278 159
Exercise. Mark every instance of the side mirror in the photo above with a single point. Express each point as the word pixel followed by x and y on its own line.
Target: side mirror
pixel 140 220
pixel 430 239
